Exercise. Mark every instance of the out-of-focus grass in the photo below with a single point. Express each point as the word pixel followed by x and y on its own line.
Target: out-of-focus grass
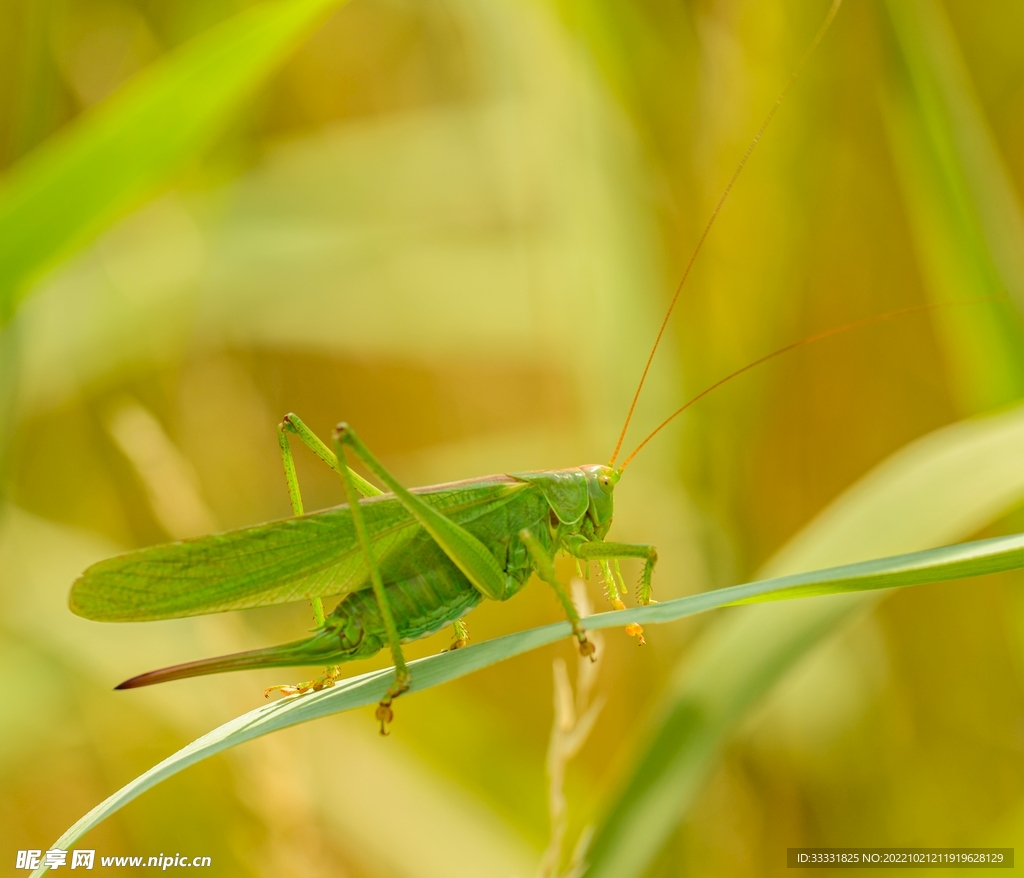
pixel 456 227
pixel 967 223
pixel 969 235
pixel 113 157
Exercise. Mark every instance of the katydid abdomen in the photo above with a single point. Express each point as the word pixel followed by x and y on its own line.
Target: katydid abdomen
pixel 422 605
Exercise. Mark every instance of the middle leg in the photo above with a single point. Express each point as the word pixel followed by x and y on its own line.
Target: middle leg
pixel 292 423
pixel 546 570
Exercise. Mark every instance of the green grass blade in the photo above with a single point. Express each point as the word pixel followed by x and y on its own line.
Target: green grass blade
pixel 938 489
pixel 952 562
pixel 959 131
pixel 122 151
pixel 967 224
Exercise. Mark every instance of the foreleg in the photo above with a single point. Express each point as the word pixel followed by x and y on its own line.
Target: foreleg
pixel 610 553
pixel 601 551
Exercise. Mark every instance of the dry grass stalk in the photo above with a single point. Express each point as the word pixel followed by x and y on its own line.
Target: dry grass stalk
pixel 574 718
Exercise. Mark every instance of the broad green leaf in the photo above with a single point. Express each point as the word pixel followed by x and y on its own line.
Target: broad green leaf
pixel 966 221
pixel 952 562
pixel 939 488
pixel 122 151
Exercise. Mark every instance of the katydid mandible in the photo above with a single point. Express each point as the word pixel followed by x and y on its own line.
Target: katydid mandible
pixel 406 563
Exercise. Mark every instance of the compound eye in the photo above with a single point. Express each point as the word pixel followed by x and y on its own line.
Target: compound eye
pixel 605 482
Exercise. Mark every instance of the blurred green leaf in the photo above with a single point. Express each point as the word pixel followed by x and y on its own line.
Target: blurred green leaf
pixel 10 349
pixel 942 487
pixel 119 153
pixel 952 562
pixel 380 227
pixel 967 223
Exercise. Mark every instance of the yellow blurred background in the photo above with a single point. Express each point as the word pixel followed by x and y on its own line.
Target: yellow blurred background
pixel 457 226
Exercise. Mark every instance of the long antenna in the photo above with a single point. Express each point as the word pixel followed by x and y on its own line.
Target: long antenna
pixel 714 215
pixel 878 318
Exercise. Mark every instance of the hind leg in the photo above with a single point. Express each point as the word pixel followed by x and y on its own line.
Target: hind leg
pixel 291 423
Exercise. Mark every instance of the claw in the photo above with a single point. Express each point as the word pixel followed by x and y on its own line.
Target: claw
pixel 384 712
pixel 384 716
pixel 286 690
pixel 460 635
pixel 325 681
pixel 587 648
pixel 634 629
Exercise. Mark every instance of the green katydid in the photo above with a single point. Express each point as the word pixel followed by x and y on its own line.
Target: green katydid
pixel 406 563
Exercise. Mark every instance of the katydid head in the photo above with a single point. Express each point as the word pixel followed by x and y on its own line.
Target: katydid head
pixel 601 482
pixel 577 495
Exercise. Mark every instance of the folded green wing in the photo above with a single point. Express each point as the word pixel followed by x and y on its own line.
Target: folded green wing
pixel 274 563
